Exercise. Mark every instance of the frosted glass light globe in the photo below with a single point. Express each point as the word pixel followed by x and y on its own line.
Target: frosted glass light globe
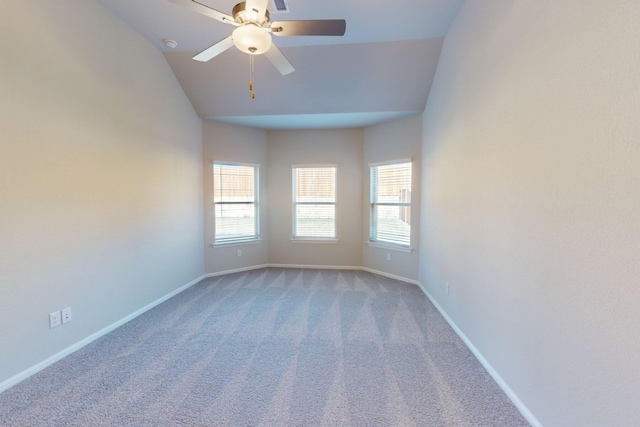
pixel 251 39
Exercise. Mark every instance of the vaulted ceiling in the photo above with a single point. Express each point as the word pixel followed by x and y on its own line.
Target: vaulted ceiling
pixel 382 68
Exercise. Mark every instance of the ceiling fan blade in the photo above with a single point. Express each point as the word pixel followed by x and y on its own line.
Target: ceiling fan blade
pixel 259 7
pixel 214 50
pixel 279 61
pixel 205 10
pixel 321 27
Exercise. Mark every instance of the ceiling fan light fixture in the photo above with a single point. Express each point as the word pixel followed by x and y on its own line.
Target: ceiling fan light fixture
pixel 251 39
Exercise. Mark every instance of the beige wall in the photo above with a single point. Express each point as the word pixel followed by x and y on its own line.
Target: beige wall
pixel 394 140
pixel 100 177
pixel 531 204
pixel 226 142
pixel 342 147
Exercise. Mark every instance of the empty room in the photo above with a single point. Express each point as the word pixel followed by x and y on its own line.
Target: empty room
pixel 297 213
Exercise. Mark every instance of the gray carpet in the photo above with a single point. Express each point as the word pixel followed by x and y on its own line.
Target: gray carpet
pixel 271 347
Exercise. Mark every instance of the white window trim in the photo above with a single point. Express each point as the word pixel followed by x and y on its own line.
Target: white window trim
pixel 309 239
pixel 392 162
pixel 324 240
pixel 252 241
pixel 382 244
pixel 390 246
pixel 243 240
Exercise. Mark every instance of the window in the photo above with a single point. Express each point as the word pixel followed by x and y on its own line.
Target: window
pixel 391 203
pixel 314 202
pixel 235 198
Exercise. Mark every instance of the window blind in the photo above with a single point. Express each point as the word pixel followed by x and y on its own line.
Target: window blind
pixel 314 199
pixel 235 200
pixel 390 186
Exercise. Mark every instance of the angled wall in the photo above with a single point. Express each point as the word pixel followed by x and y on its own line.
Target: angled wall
pixel 100 177
pixel 393 140
pixel 240 144
pixel 531 203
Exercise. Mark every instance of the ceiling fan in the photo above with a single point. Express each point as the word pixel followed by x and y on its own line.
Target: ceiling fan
pixel 253 30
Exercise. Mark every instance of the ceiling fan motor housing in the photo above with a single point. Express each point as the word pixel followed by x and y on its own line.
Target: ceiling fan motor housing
pixel 242 15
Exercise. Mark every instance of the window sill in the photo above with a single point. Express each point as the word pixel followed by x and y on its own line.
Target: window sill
pixel 313 240
pixel 390 246
pixel 237 243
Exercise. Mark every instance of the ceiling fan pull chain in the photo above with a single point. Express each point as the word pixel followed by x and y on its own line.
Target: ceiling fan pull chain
pixel 250 72
pixel 253 94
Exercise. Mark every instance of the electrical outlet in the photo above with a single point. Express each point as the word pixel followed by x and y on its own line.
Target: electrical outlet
pixel 54 319
pixel 447 288
pixel 388 256
pixel 66 315
pixel 239 252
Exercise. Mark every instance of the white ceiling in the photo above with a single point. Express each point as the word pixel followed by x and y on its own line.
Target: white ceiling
pixel 380 69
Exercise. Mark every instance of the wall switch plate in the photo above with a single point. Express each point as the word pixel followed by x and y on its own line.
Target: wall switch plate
pixel 239 252
pixel 66 315
pixel 54 319
pixel 447 288
pixel 388 256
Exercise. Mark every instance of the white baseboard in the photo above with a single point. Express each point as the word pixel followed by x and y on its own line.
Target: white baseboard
pixel 236 270
pixel 77 346
pixel 391 276
pixel 346 267
pixel 316 267
pixel 526 413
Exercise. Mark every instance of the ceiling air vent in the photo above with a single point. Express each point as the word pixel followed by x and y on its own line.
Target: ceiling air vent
pixel 281 5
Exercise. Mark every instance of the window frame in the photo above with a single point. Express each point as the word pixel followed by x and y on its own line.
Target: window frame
pixel 313 239
pixel 374 204
pixel 238 240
